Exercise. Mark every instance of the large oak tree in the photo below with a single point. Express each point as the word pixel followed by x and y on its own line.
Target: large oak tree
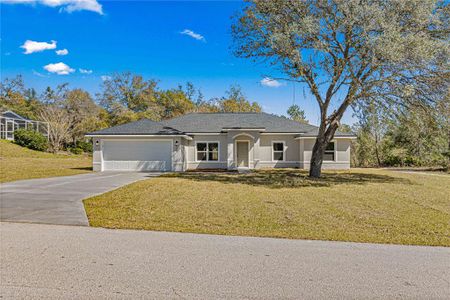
pixel 349 51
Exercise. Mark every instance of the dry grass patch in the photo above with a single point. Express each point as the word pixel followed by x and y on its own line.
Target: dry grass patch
pixel 377 206
pixel 18 163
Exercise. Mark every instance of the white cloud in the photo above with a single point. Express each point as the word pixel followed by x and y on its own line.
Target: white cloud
pixel 39 74
pixel 65 5
pixel 266 81
pixel 33 46
pixel 62 52
pixel 85 71
pixel 193 34
pixel 105 77
pixel 59 68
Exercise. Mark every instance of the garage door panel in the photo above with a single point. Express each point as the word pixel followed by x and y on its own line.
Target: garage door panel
pixel 121 165
pixel 137 155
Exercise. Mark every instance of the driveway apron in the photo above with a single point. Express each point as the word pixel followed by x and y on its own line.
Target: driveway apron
pixel 58 200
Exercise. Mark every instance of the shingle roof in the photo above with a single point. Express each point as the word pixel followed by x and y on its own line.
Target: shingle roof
pixel 143 126
pixel 214 123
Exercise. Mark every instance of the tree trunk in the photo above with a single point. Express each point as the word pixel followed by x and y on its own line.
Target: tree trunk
pixel 323 138
pixel 315 169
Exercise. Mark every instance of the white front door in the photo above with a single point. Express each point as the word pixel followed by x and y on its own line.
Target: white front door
pixel 137 155
pixel 242 154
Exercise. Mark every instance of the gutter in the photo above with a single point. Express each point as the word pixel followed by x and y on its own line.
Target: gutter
pixel 138 135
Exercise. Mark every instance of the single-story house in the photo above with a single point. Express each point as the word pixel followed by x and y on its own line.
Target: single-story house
pixel 214 141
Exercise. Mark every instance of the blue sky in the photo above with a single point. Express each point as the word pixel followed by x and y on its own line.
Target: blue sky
pixel 144 37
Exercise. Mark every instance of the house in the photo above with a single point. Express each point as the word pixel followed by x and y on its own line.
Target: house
pixel 214 141
pixel 11 121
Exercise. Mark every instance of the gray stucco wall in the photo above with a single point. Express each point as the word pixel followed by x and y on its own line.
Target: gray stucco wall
pixel 342 154
pixel 191 162
pixel 291 151
pixel 297 152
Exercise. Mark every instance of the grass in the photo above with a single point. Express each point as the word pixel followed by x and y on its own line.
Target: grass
pixel 361 205
pixel 18 163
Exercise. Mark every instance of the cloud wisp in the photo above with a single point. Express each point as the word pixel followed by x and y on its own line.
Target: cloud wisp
pixel 269 82
pixel 62 52
pixel 85 71
pixel 33 46
pixel 193 35
pixel 64 5
pixel 105 77
pixel 59 68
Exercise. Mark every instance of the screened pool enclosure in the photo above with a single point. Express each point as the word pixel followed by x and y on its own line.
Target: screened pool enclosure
pixel 10 122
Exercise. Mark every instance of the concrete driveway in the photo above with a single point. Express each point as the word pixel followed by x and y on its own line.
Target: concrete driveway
pixel 74 262
pixel 58 200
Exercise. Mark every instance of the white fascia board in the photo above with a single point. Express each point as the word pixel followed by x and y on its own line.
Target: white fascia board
pixel 334 138
pixel 243 129
pixel 136 135
pixel 280 133
pixel 205 133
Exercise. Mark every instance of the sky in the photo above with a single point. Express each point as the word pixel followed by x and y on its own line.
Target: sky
pixel 81 42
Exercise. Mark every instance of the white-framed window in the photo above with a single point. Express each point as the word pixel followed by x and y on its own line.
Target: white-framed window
pixel 330 152
pixel 207 151
pixel 278 151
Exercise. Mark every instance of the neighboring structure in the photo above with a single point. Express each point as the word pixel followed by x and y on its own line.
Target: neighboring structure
pixel 10 122
pixel 214 140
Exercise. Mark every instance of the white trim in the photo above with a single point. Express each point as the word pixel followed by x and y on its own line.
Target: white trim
pixel 336 137
pixel 207 151
pixel 279 161
pixel 137 135
pixel 243 129
pixel 205 133
pixel 284 151
pixel 280 133
pixel 207 162
pixel 243 134
pixel 236 150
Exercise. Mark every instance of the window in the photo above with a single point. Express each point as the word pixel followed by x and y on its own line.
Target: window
pixel 329 152
pixel 278 151
pixel 208 151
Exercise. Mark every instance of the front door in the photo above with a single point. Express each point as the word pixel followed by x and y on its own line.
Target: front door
pixel 242 154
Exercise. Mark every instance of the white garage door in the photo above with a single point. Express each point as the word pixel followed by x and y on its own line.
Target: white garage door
pixel 137 155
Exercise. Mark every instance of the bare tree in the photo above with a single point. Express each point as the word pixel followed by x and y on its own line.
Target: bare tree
pixel 347 51
pixel 59 126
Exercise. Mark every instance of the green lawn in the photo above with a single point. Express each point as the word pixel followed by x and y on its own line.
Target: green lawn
pixel 17 163
pixel 361 205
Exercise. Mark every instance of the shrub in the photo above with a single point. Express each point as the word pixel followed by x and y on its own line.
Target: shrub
pixel 30 139
pixel 86 146
pixel 77 151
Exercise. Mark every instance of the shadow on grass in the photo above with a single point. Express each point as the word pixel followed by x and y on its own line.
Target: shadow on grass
pixel 289 178
pixel 82 168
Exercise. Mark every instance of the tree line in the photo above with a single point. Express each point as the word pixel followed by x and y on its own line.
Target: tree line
pixel 123 97
pixel 386 136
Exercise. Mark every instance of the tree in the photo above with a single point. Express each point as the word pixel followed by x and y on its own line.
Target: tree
pixel 14 96
pixel 174 103
pixel 297 114
pixel 86 115
pixel 348 51
pixel 127 97
pixel 59 126
pixel 236 101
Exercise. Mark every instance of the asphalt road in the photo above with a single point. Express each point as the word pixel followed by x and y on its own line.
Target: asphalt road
pixel 50 261
pixel 58 200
